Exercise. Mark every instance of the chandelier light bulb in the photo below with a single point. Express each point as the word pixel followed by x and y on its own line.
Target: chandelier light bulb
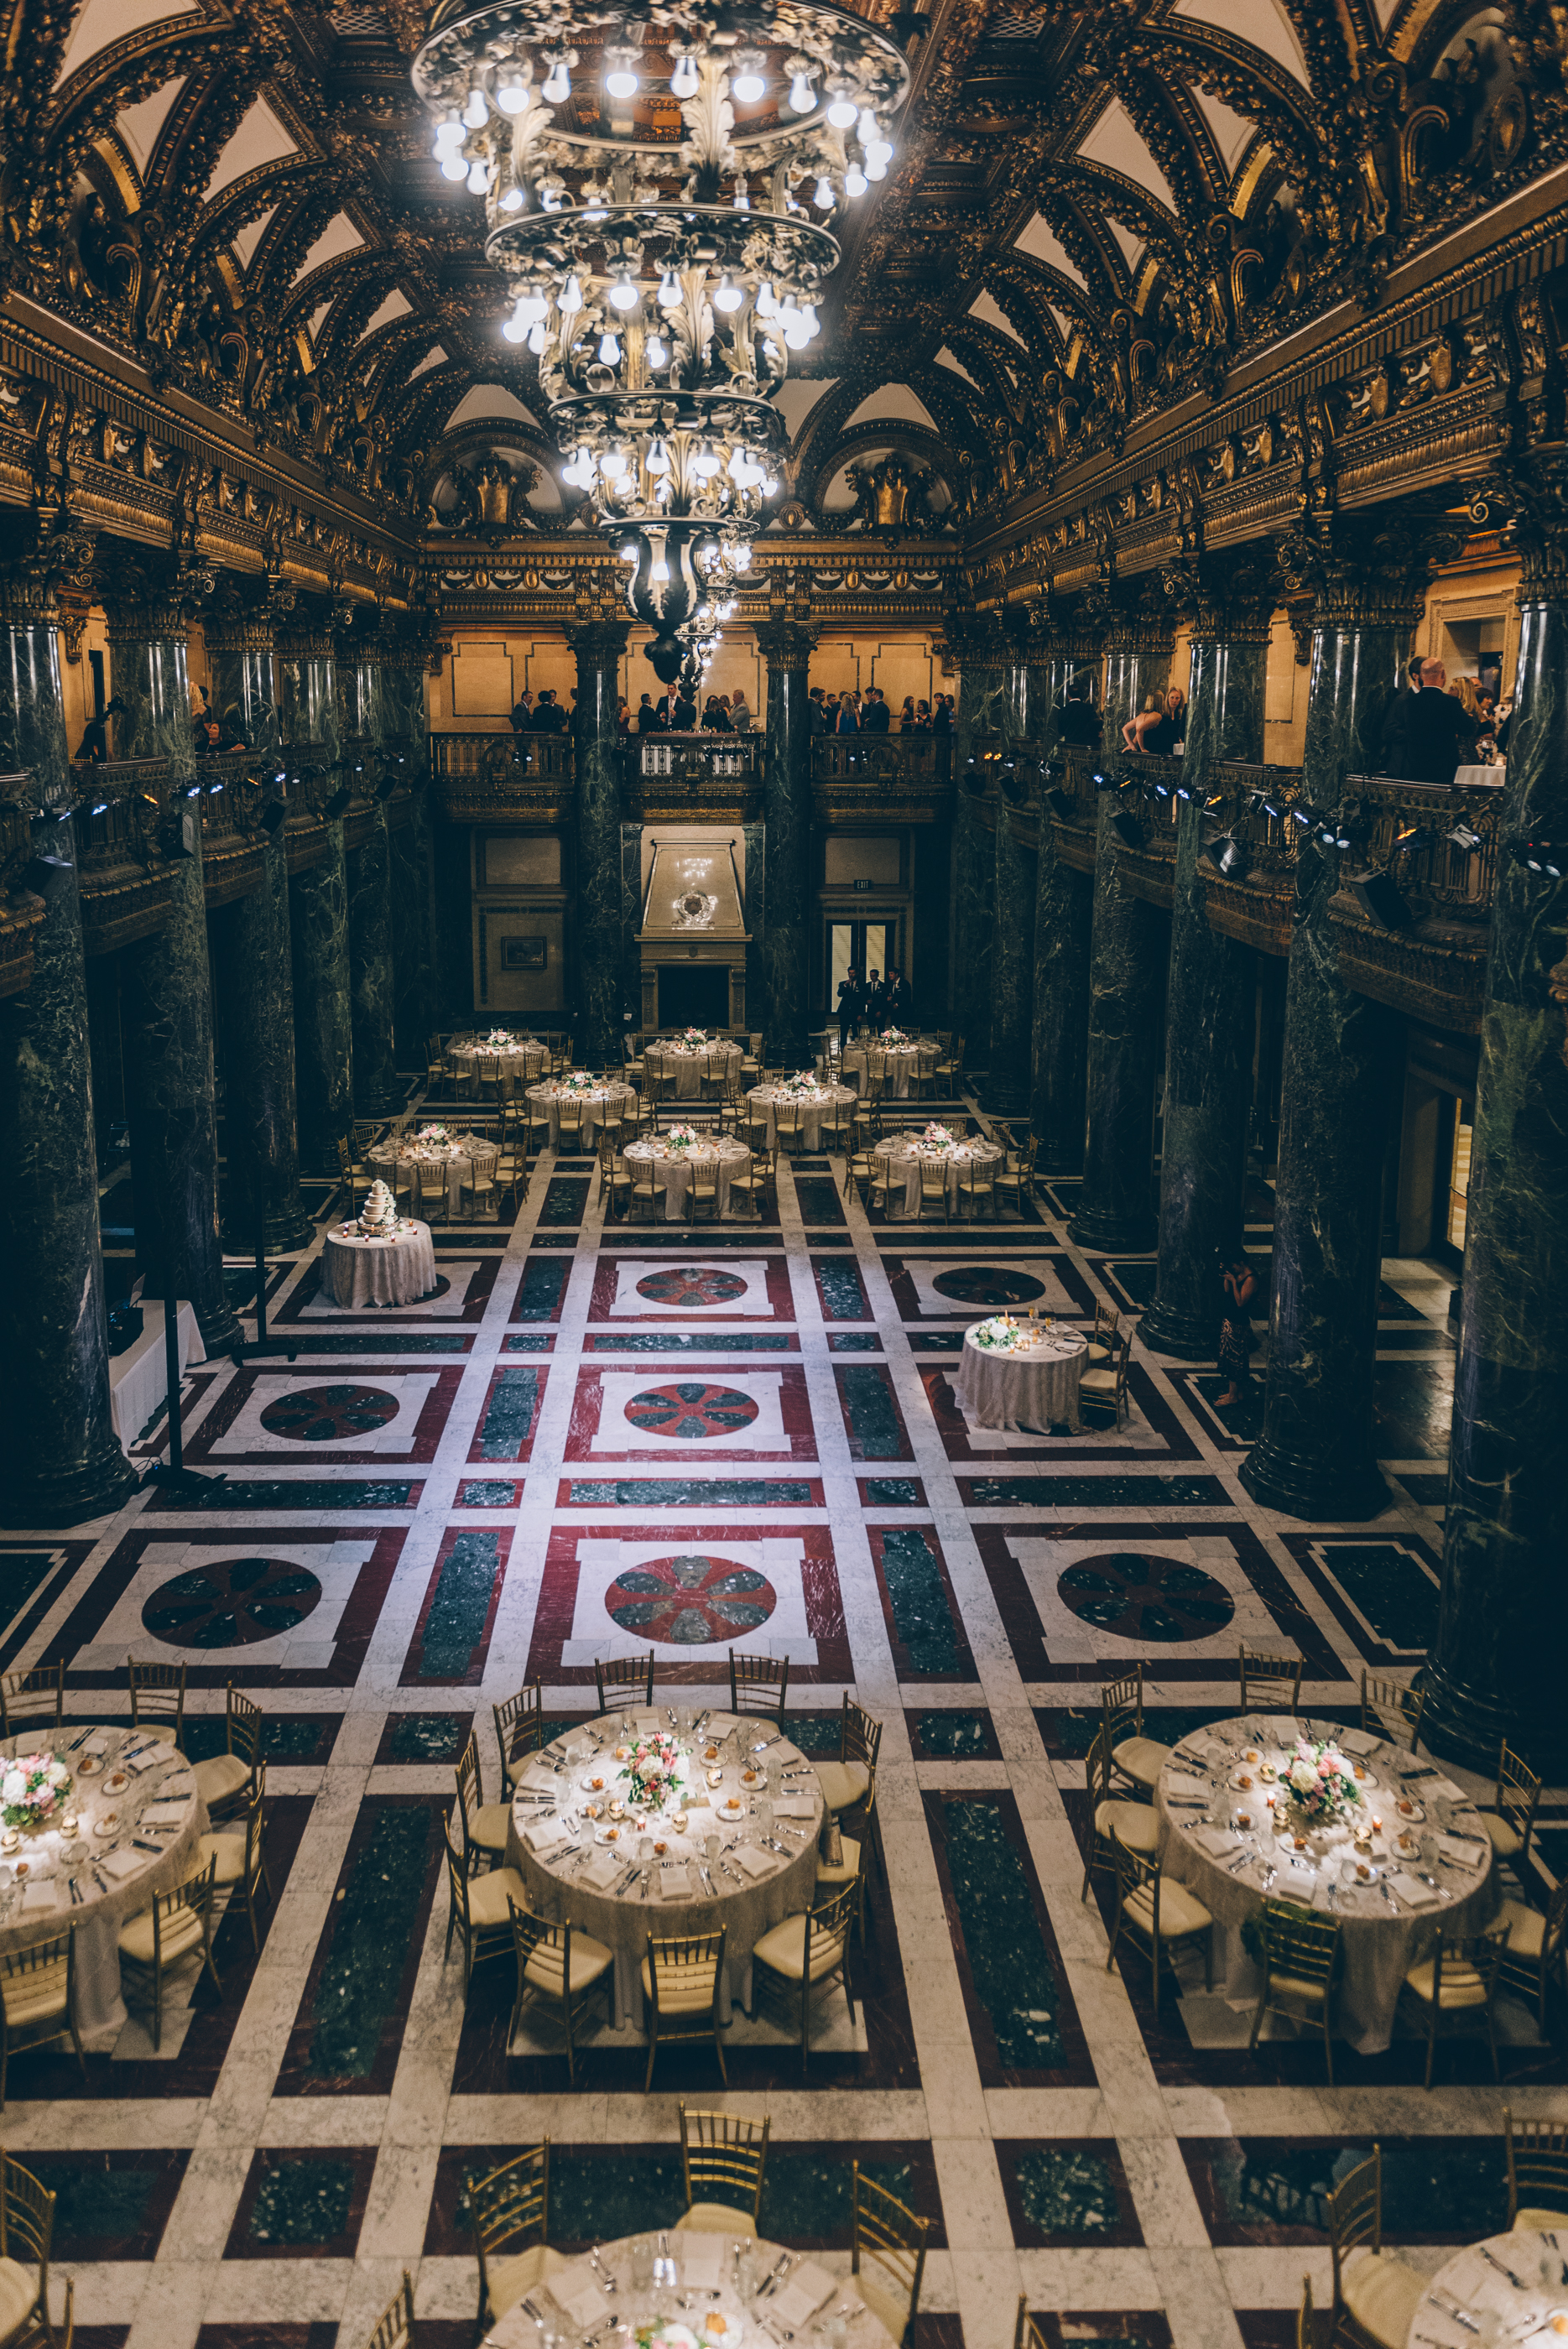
pixel 571 296
pixel 661 492
pixel 878 150
pixel 705 463
pixel 511 197
pixel 743 197
pixel 866 127
pixel 656 352
pixel 629 551
pixel 669 293
pixel 810 321
pixel 842 113
pixel 609 348
pixel 513 329
pixel 623 293
pixel 770 490
pixel 683 81
pixel 538 338
pixel 741 557
pixel 822 196
pixel 657 457
pixel 855 182
pixel 452 166
pixel 612 461
pixel 767 300
pixel 479 178
pixel 558 87
pixel 512 97
pixel 802 96
pixel 728 295
pixel 476 114
pixel 749 84
pixel 660 571
pixel 796 333
pixel 876 170
pixel 621 80
pixel 550 199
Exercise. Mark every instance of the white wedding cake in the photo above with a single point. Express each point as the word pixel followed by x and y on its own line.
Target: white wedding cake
pixel 379 1216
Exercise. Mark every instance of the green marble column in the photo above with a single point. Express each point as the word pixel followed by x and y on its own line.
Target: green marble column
pixel 1014 889
pixel 61 1461
pixel 377 1093
pixel 167 995
pixel 787 825
pixel 323 1021
pixel 1494 1671
pixel 1063 939
pixel 1210 993
pixel 981 650
pixel 1315 1458
pixel 600 646
pixel 1130 947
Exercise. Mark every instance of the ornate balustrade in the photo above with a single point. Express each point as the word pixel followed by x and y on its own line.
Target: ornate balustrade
pixel 1249 869
pixel 897 778
pixel 501 779
pixel 712 778
pixel 1146 821
pixel 126 828
pixel 1412 912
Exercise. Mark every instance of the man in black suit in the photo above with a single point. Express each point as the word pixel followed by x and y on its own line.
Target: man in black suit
pixel 682 712
pixel 849 1006
pixel 1396 718
pixel 872 1000
pixel 898 1002
pixel 1077 719
pixel 648 720
pixel 875 718
pixel 549 718
pixel 1439 731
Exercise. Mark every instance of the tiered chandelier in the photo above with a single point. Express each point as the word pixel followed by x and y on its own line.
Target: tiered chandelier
pixel 657 178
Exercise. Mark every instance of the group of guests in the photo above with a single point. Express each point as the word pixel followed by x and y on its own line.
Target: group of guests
pixel 541 713
pixel 1430 728
pixel 1160 727
pixel 869 712
pixel 676 713
pixel 873 1002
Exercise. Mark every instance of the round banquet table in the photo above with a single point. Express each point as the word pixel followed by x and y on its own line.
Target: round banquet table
pixel 689 1068
pixel 1036 1385
pixel 814 1108
pixel 673 1171
pixel 585 1884
pixel 457 1159
pixel 360 1271
pixel 805 2298
pixel 607 1096
pixel 114 1875
pixel 1382 1933
pixel 903 1062
pixel 525 1056
pixel 904 1160
pixel 1525 2307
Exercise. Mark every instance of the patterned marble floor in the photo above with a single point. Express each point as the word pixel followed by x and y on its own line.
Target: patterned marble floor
pixel 426 1505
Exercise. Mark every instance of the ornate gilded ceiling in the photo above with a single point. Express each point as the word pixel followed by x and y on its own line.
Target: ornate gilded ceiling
pixel 1095 218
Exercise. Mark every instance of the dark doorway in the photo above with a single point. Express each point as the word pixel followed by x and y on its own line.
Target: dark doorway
pixel 693 995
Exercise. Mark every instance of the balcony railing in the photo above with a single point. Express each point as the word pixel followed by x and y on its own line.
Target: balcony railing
pixel 530 758
pixel 920 762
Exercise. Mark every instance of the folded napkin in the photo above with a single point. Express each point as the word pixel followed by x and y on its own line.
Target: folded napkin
pixel 39 1898
pixel 793 1807
pixel 96 1743
pixel 1194 1752
pixel 1412 1891
pixel 581 2298
pixel 602 1869
pixel 1448 1790
pixel 702 2261
pixel 674 1883
pixel 797 2301
pixel 1469 1851
pixel 718 1725
pixel 1218 1842
pixel 1358 1741
pixel 162 1814
pixel 645 1721
pixel 544 1842
pixel 120 1864
pixel 1178 1784
pixel 755 1863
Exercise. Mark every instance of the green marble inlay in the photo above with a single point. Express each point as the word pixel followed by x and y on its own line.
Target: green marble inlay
pixel 25 1570
pixel 427 1738
pixel 1431 2186
pixel 374 1920
pixel 303 2202
pixel 815 1732
pixel 807 2199
pixel 1008 1963
pixel 509 1416
pixel 892 1492
pixel 921 1612
pixel 544 1279
pixel 594 2201
pixel 954 1736
pixel 205 1736
pixel 95 2204
pixel 1066 2191
pixel 455 1624
pixel 1395 1591
pixel 479 1495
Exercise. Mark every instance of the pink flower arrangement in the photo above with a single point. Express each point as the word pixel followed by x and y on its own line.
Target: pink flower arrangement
pixel 31 1787
pixel 656 1771
pixel 1322 1782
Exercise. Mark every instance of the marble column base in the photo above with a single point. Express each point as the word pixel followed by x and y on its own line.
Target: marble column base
pixel 1103 1227
pixel 1299 1484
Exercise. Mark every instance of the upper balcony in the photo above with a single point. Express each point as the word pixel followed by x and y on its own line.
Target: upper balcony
pixel 1413 914
pixel 502 779
pixel 891 778
pixel 693 778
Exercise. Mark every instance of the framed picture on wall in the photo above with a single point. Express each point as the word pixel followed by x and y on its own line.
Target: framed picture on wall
pixel 525 954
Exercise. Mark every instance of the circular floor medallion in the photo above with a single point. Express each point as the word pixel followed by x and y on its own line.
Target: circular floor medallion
pixel 690 1410
pixel 989 1284
pixel 231 1603
pixel 329 1414
pixel 691 1285
pixel 1145 1599
pixel 691 1600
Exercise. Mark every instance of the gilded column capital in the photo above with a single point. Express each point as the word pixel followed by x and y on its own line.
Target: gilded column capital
pixel 1536 489
pixel 599 641
pixel 975 639
pixel 784 644
pixel 1368 571
pixel 1231 599
pixel 1145 622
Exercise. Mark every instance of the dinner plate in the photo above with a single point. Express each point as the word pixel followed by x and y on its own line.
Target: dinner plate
pixel 614 1831
pixel 1414 1817
pixel 1247 1782
pixel 597 1782
pixel 721 2332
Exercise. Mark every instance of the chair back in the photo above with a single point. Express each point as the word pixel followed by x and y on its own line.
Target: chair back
pixel 933 1179
pixel 1098 1771
pixel 397 2323
pixel 827 1932
pixel 1299 1941
pixel 1271 1682
pixel 193 1897
pixel 624 1677
pixel 1537 2153
pixel 684 1974
pixel 1355 2216
pixel 859 1737
pixel 1121 1709
pixel 888 2237
pixel 520 1723
pixel 1467 1964
pixel 509 2209
pixel 1383 1701
pixel 544 1951
pixel 26 2220
pixel 1518 1793
pixel 255 1823
pixel 157 1694
pixel 242 1727
pixel 758 1683
pixel 1306 2323
pixel 1026 2333
pixel 723 2155
pixel 26 1971
pixel 470 1788
pixel 1107 1320
pixel 36 1695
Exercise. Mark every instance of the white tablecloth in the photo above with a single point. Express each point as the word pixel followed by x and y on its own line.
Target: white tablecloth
pixel 360 1271
pixel 107 1900
pixel 593 1104
pixel 905 1161
pixel 902 1060
pixel 573 2301
pixel 137 1382
pixel 624 1920
pixel 1038 1388
pixel 456 1161
pixel 1524 2308
pixel 768 1098
pixel 1480 779
pixel 673 1175
pixel 1381 1942
pixel 522 1060
pixel 688 1068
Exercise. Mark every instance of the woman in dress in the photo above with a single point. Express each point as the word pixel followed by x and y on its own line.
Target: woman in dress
pixel 1150 720
pixel 1237 1286
pixel 847 722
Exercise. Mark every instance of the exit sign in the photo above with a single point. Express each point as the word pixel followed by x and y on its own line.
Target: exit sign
pixel 862 885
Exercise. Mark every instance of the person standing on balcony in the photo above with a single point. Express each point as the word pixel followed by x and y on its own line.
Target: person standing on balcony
pixel 648 720
pixel 877 717
pixel 1396 718
pixel 740 719
pixel 1077 719
pixel 942 714
pixel 522 713
pixel 816 713
pixel 846 722
pixel 1439 731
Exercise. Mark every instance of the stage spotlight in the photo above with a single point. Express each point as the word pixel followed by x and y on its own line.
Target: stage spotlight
pixel 1378 895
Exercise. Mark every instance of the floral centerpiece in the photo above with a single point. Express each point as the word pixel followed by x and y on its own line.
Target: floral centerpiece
pixel 938 1138
pixel 680 1139
pixel 694 1039
pixel 31 1787
pixel 498 1036
pixel 578 1081
pixel 437 1136
pixel 803 1083
pixel 998 1335
pixel 892 1036
pixel 1321 1784
pixel 655 1771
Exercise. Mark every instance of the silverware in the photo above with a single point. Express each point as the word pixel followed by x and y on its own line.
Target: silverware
pixel 1459 2315
pixel 601 2270
pixel 1492 2261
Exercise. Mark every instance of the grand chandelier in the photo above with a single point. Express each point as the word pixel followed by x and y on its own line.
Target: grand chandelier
pixel 657 184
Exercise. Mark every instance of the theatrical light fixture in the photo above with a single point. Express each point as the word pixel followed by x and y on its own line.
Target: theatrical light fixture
pixel 1378 895
pixel 1463 837
pixel 1225 856
pixel 336 802
pixel 1128 828
pixel 662 285
pixel 1062 804
pixel 1411 843
pixel 1543 856
pixel 273 815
